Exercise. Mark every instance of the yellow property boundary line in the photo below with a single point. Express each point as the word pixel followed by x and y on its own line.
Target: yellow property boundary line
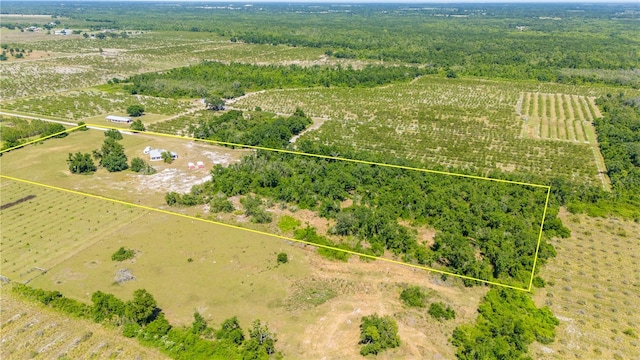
pixel 288 238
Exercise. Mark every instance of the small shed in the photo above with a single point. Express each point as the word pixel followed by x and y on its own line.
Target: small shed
pixel 118 119
pixel 200 165
pixel 192 166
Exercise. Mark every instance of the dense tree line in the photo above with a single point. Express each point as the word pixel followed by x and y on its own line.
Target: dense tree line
pixel 484 229
pixel 619 138
pixel 210 79
pixel 14 131
pixel 527 41
pixel 141 318
pixel 253 128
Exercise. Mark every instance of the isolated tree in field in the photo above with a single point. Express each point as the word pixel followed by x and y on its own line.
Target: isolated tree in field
pixel 112 156
pixel 137 125
pixel 142 309
pixel 135 110
pixel 283 258
pixel 377 334
pixel 214 103
pixel 441 311
pixel 114 134
pixel 140 166
pixel 80 163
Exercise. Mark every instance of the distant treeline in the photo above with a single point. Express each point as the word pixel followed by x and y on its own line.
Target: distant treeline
pixel 233 80
pixel 522 41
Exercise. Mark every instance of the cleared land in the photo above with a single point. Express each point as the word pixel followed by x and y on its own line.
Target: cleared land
pixel 314 305
pixel 594 290
pixel 47 334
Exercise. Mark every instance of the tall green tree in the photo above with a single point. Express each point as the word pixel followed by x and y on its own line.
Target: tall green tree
pixel 142 309
pixel 80 163
pixel 112 156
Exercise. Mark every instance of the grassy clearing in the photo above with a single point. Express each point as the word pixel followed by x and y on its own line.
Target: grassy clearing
pixel 593 288
pixel 46 334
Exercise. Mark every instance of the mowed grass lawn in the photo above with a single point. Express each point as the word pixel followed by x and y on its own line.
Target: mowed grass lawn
pixel 594 289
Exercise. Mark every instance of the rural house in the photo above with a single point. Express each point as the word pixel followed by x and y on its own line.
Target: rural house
pixel 156 154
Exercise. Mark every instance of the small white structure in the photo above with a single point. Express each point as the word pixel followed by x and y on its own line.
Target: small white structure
pixel 146 150
pixel 118 119
pixel 200 165
pixel 192 166
pixel 156 154
pixel 63 32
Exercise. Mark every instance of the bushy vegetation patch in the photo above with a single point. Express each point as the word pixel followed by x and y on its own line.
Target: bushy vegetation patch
pixel 413 296
pixel 122 254
pixel 508 322
pixel 378 334
pixel 14 131
pixel 441 311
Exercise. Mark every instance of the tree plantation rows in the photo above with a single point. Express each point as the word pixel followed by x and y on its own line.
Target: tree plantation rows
pixel 15 131
pixel 233 80
pixel 486 230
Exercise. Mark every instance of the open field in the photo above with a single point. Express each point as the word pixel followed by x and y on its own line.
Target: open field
pixel 236 274
pixel 46 334
pixel 450 122
pixel 593 287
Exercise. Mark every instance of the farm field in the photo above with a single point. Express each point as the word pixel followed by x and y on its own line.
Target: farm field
pixel 467 123
pixel 593 288
pixel 31 248
pixel 241 277
pixel 47 334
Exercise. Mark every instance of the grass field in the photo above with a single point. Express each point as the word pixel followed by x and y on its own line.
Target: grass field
pixel 313 304
pixel 594 289
pixel 47 334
